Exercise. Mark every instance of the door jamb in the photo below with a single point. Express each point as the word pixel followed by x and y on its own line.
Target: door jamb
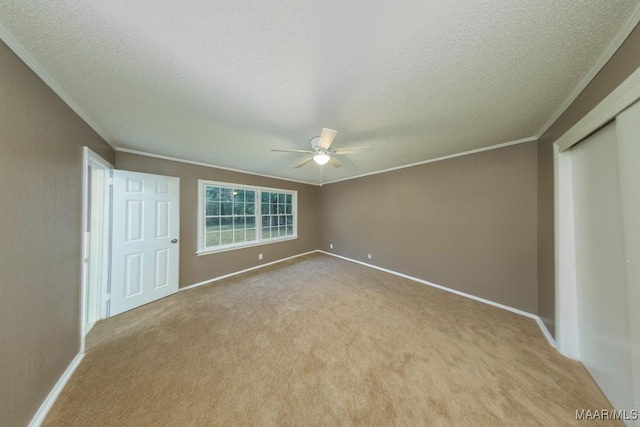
pixel 90 158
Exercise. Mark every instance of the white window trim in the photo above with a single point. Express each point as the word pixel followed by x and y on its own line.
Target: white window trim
pixel 201 250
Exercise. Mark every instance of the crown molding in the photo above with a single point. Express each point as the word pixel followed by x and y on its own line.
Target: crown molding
pixel 437 159
pixel 618 100
pixel 615 44
pixel 208 165
pixel 22 53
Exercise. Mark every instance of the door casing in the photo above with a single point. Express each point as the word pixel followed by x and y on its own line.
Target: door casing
pixel 96 225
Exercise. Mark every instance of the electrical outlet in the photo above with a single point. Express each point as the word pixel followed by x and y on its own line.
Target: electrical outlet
pixel 330 245
pixel 369 256
pixel 259 256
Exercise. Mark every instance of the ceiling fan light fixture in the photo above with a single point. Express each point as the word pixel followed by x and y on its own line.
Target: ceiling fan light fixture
pixel 321 158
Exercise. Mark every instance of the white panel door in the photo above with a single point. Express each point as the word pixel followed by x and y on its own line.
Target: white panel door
pixel 145 239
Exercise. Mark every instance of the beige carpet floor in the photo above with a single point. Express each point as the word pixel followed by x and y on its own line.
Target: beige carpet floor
pixel 321 341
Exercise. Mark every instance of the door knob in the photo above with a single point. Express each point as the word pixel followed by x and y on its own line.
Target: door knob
pixel 174 240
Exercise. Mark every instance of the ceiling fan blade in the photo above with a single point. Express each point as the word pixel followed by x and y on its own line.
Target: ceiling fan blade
pixel 326 138
pixel 347 150
pixel 292 151
pixel 304 162
pixel 335 162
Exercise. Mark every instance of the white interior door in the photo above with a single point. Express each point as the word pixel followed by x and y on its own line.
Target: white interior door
pixel 145 239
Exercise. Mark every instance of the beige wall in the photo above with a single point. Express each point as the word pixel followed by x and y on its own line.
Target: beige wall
pixel 195 269
pixel 482 224
pixel 624 62
pixel 41 141
pixel 467 223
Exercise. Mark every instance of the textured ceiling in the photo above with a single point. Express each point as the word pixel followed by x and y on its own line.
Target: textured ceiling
pixel 222 82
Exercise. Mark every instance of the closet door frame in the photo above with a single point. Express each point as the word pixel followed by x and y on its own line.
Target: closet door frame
pixel 566 289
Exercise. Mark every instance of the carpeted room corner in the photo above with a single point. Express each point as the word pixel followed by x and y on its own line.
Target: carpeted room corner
pixel 318 340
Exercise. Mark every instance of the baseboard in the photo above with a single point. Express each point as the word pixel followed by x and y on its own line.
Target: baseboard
pixel 235 273
pixel 545 332
pixel 42 412
pixel 62 381
pixel 541 324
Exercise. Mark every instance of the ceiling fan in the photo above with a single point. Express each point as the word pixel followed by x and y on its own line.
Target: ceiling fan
pixel 321 151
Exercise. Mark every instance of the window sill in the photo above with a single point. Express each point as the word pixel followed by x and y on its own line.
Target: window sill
pixel 233 248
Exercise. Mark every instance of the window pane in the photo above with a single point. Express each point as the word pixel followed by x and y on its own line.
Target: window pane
pixel 289 199
pixel 226 237
pixel 250 208
pixel 250 196
pixel 238 195
pixel 289 209
pixel 238 236
pixel 213 224
pixel 226 208
pixel 274 220
pixel 251 222
pixel 266 232
pixel 274 197
pixel 289 230
pixel 213 208
pixel 238 222
pixel 274 209
pixel 265 197
pixel 251 234
pixel 289 219
pixel 282 220
pixel 238 208
pixel 265 221
pixel 281 198
pixel 226 223
pixel 212 193
pixel 226 194
pixel 213 239
pixel 283 230
pixel 281 209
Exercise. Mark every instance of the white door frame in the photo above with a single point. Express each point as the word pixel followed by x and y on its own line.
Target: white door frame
pixel 566 290
pixel 99 286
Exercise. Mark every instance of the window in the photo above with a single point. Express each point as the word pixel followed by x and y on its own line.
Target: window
pixel 276 212
pixel 232 216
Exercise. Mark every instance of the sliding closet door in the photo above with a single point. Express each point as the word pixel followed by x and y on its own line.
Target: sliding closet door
pixel 628 132
pixel 603 311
